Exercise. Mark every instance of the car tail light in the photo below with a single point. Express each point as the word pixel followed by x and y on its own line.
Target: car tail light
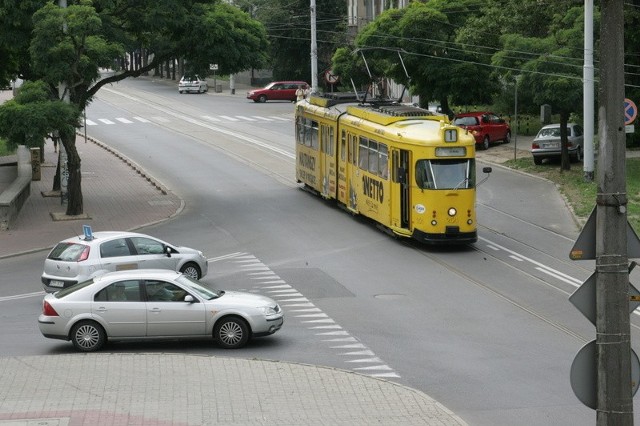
pixel 535 146
pixel 85 254
pixel 48 310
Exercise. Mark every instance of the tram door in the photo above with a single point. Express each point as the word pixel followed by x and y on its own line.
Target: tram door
pixel 327 161
pixel 401 174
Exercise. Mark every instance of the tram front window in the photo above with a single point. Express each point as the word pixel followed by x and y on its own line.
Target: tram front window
pixel 445 174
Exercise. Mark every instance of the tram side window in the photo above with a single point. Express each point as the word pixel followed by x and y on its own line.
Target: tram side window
pixel 327 140
pixel 383 161
pixel 363 154
pixel 373 157
pixel 300 127
pixel 353 158
pixel 331 142
pixel 313 135
pixel 343 145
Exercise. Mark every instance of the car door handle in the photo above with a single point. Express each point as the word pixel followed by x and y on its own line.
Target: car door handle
pixel 155 309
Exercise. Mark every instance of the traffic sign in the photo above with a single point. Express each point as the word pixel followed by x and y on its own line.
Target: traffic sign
pixel 630 111
pixel 330 77
pixel 584 374
pixel 585 246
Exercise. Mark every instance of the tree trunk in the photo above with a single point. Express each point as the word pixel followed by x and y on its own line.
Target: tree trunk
pixel 74 181
pixel 565 160
pixel 56 178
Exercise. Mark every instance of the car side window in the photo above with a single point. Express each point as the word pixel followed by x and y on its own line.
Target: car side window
pixel 162 291
pixel 115 248
pixel 577 130
pixel 147 245
pixel 120 291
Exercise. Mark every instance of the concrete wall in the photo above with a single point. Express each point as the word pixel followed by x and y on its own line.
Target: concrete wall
pixel 16 193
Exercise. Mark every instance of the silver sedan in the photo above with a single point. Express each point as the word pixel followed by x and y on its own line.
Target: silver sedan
pixel 546 144
pixel 154 304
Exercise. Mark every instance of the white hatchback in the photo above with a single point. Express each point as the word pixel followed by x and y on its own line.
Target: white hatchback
pixel 77 259
pixel 192 83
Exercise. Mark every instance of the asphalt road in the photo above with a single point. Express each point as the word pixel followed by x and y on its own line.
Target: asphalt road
pixel 486 330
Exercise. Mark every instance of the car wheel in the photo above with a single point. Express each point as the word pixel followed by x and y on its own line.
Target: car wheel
pixel 231 332
pixel 485 143
pixel 180 91
pixel 537 160
pixel 507 137
pixel 262 98
pixel 192 270
pixel 88 336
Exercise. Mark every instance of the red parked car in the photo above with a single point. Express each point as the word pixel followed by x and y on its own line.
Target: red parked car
pixel 487 127
pixel 277 91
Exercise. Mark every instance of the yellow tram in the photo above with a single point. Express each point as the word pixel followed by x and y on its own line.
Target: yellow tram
pixel 404 167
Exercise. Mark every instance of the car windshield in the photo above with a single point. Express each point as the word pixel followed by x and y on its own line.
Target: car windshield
pixel 549 132
pixel 68 252
pixel 446 174
pixel 465 121
pixel 202 291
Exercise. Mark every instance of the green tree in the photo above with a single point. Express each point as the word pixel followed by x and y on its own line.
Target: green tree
pixel 32 115
pixel 551 70
pixel 68 46
pixel 288 26
pixel 425 34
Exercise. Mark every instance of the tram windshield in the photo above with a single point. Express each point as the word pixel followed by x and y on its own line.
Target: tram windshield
pixel 446 174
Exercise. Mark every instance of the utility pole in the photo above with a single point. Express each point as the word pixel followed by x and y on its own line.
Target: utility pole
pixel 588 99
pixel 613 336
pixel 314 49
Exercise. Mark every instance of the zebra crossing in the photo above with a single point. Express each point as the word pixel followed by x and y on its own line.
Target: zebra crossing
pixel 210 118
pixel 355 354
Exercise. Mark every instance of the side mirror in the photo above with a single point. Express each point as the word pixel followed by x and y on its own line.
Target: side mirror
pixel 189 298
pixel 486 170
pixel 167 250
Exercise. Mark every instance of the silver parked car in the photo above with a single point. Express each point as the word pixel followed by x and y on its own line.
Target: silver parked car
pixel 155 304
pixel 546 144
pixel 192 83
pixel 77 259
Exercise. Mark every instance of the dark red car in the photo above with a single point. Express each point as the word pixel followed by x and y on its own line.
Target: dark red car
pixel 487 127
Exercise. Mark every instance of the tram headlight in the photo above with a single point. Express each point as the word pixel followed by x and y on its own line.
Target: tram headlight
pixel 469 221
pixel 452 211
pixel 434 222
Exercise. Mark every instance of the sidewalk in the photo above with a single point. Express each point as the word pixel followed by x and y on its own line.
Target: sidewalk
pixel 117 194
pixel 171 389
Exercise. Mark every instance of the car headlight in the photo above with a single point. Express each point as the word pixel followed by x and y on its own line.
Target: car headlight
pixel 270 310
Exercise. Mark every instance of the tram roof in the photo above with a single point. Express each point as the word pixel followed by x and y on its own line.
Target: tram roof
pixel 380 111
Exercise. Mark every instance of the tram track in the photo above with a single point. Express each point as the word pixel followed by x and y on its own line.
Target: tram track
pixel 500 294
